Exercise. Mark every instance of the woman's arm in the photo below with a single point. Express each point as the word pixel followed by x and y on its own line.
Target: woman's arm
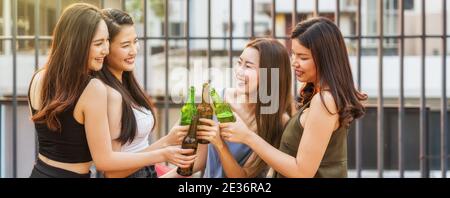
pixel 174 137
pixel 199 164
pixel 35 91
pixel 202 156
pixel 94 100
pixel 319 127
pixel 125 173
pixel 171 150
pixel 210 132
pixel 114 119
pixel 231 167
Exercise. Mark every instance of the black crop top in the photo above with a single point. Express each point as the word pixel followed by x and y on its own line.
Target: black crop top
pixel 68 145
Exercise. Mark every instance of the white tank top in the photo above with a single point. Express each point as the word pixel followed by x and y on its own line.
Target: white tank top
pixel 144 125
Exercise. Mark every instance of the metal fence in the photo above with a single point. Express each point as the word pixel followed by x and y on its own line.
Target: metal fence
pixel 295 19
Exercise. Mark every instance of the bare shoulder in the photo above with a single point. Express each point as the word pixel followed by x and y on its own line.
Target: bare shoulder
pixel 325 102
pixel 114 100
pixel 113 95
pixel 37 81
pixel 285 119
pixel 94 90
pixel 39 74
pixel 96 85
pixel 36 89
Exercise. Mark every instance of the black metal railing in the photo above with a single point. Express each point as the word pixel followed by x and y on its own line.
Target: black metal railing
pixel 359 37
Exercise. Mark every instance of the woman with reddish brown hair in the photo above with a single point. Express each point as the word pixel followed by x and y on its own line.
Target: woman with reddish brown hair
pixel 69 106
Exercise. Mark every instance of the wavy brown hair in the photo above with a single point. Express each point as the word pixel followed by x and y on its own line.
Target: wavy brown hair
pixel 67 69
pixel 272 54
pixel 324 39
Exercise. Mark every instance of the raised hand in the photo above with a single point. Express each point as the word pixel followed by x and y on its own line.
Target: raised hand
pixel 178 156
pixel 235 131
pixel 209 130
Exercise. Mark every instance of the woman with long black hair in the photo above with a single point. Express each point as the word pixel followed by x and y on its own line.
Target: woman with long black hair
pixel 314 142
pixel 130 112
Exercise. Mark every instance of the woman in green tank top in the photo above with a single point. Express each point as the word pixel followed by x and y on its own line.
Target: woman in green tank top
pixel 314 142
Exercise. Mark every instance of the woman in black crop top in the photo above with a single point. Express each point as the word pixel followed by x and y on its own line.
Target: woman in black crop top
pixel 69 108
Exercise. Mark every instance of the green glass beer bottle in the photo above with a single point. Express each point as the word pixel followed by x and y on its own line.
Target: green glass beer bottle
pixel 189 109
pixel 190 142
pixel 221 108
pixel 204 109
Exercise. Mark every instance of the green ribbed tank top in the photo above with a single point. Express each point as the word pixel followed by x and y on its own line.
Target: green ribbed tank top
pixel 334 161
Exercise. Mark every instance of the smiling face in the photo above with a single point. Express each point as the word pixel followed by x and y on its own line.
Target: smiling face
pixel 247 71
pixel 99 47
pixel 303 63
pixel 124 47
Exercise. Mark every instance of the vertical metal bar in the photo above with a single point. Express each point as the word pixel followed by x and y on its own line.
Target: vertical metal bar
pixel 380 115
pixel 423 129
pixel 444 126
pixel 166 51
pixel 230 50
pixel 252 19
pixel 209 41
pixel 294 14
pixel 1 146
pixel 294 23
pixel 188 41
pixel 274 12
pixel 14 98
pixel 37 33
pixel 124 5
pixel 102 4
pixel 358 135
pixel 145 46
pixel 316 8
pixel 401 109
pixel 338 13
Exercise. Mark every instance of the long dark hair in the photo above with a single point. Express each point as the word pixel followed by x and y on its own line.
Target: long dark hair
pixel 132 93
pixel 324 39
pixel 67 69
pixel 272 54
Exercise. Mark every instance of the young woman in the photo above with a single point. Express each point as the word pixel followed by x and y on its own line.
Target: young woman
pixel 69 107
pixel 314 143
pixel 226 159
pixel 130 113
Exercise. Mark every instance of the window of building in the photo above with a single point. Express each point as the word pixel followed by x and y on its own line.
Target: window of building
pixel 176 29
pixel 260 28
pixel 407 4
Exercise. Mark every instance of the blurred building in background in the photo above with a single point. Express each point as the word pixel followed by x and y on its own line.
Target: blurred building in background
pixel 211 44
